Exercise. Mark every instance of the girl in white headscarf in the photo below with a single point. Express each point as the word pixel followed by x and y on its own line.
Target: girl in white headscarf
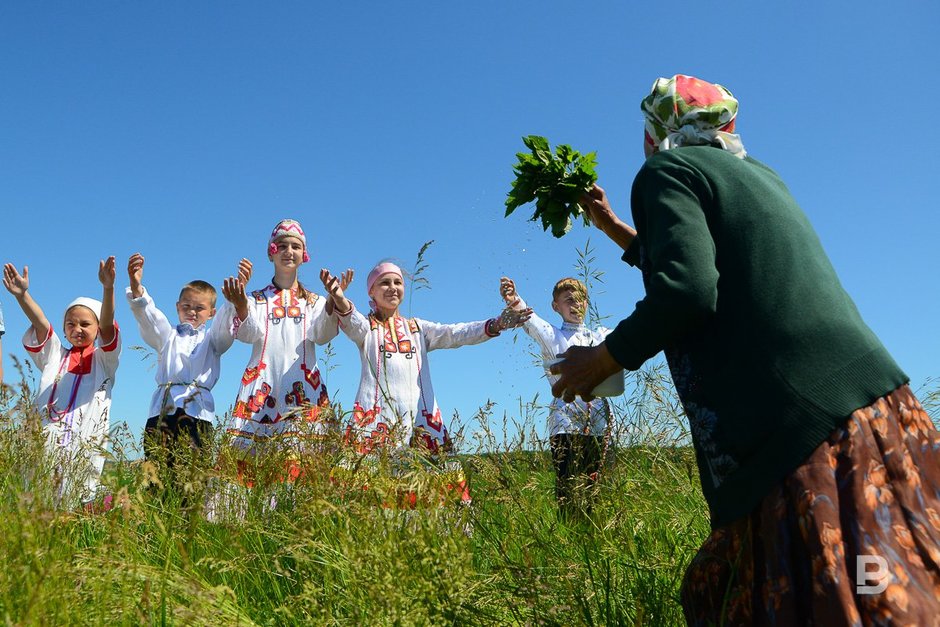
pixel 74 396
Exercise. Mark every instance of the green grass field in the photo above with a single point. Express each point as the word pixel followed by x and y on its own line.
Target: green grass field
pixel 327 551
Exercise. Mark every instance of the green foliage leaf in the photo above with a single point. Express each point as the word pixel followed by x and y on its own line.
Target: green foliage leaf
pixel 555 180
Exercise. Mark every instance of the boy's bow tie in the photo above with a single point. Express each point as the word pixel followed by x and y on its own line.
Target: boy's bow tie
pixel 185 329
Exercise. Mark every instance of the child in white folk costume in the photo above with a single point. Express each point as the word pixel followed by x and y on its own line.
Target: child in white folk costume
pixel 395 405
pixel 74 395
pixel 188 360
pixel 576 430
pixel 282 398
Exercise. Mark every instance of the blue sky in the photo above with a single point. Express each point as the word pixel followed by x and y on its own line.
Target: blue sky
pixel 186 130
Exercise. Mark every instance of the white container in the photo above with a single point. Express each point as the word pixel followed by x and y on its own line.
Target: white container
pixel 611 386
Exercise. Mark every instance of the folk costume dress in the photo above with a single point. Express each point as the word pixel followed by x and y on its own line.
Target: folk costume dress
pixel 282 396
pixel 74 401
pixel 395 403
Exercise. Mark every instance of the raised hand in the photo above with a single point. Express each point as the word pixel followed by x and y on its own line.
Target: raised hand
pixel 507 289
pixel 511 318
pixel 346 278
pixel 599 211
pixel 107 272
pixel 16 283
pixel 135 274
pixel 334 287
pixel 244 271
pixel 234 292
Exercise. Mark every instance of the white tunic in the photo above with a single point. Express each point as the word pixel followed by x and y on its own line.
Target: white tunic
pixel 395 403
pixel 282 396
pixel 74 400
pixel 577 417
pixel 188 359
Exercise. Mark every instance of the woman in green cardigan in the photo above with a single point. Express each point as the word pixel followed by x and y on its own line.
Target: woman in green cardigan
pixel 820 467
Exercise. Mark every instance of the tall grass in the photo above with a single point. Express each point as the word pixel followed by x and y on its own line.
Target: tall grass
pixel 336 547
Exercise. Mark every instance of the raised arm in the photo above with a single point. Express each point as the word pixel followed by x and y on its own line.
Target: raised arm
pixel 106 274
pixel 135 274
pixel 234 292
pixel 603 217
pixel 245 270
pixel 538 329
pixel 344 280
pixel 152 323
pixel 18 285
pixel 336 287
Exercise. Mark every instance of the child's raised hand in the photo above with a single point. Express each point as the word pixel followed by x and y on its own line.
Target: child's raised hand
pixel 244 271
pixel 16 283
pixel 107 272
pixel 135 273
pixel 507 289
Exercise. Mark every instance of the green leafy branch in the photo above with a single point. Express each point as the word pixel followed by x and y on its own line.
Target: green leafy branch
pixel 554 180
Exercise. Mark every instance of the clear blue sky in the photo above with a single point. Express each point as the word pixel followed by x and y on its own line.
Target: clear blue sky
pixel 186 130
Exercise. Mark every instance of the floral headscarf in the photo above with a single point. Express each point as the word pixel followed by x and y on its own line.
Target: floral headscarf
pixel 686 111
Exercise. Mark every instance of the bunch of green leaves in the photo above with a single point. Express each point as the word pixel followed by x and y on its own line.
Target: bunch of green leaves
pixel 554 180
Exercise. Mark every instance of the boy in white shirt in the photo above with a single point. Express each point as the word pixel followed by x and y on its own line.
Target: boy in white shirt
pixel 576 429
pixel 188 360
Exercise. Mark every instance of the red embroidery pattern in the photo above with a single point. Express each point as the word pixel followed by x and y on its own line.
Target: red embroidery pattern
pixel 241 410
pixel 434 420
pixel 296 396
pixel 281 309
pixel 258 399
pixel 364 417
pixel 312 376
pixel 253 372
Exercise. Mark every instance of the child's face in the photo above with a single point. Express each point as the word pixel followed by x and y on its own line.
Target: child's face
pixel 387 292
pixel 570 306
pixel 290 253
pixel 194 308
pixel 81 326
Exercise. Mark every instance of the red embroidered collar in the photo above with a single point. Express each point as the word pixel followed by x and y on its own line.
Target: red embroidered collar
pixel 80 359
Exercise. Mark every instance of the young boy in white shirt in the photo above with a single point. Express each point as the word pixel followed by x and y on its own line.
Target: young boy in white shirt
pixel 576 430
pixel 188 360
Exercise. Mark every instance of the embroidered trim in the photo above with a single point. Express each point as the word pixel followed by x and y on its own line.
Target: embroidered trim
pixel 37 348
pixel 110 346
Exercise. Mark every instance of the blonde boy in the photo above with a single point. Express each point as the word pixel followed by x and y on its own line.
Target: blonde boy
pixel 188 360
pixel 575 429
pixel 74 396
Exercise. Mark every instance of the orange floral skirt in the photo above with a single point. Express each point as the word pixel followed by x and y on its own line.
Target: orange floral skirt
pixel 851 537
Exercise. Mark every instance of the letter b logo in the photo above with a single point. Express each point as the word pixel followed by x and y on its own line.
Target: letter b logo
pixel 863 575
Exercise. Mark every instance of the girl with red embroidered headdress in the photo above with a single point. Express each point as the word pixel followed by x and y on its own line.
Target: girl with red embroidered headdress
pixel 395 404
pixel 74 396
pixel 282 397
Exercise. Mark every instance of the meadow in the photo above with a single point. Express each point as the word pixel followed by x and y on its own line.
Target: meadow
pixel 340 547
